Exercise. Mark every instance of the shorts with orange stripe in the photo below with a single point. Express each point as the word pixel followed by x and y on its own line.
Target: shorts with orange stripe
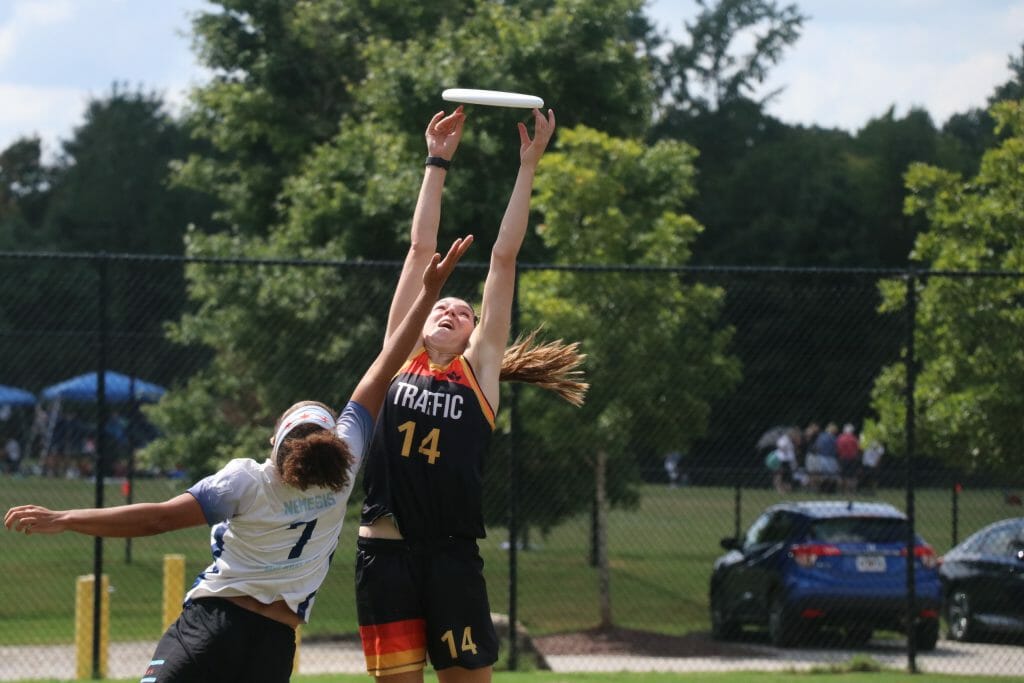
pixel 417 601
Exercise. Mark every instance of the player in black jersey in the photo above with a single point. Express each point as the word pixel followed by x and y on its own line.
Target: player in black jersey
pixel 420 588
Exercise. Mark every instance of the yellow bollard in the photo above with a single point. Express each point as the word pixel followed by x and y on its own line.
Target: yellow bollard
pixel 298 642
pixel 174 587
pixel 84 623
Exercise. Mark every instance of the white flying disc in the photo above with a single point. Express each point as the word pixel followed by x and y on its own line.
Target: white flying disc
pixel 492 98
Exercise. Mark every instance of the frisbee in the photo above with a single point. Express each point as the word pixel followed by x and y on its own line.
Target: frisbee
pixel 492 98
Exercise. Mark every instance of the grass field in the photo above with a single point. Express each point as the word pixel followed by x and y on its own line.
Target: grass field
pixel 742 677
pixel 660 553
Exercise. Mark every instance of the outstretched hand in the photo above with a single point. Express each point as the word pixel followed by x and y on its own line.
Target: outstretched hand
pixel 530 151
pixel 33 519
pixel 444 133
pixel 438 270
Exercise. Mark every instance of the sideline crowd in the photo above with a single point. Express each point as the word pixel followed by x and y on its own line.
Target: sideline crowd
pixel 824 460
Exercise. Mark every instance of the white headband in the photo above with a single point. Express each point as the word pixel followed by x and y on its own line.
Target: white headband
pixel 305 415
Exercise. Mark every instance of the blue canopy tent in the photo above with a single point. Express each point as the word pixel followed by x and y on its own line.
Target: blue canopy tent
pixel 117 388
pixel 13 396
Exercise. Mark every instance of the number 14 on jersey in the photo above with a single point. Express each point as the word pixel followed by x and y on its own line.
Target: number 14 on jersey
pixel 427 445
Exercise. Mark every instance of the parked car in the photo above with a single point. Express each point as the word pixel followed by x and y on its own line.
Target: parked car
pixel 983 583
pixel 802 566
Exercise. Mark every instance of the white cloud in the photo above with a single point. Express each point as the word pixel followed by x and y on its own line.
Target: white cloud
pixel 28 16
pixel 50 113
pixel 843 73
pixel 854 60
pixel 57 55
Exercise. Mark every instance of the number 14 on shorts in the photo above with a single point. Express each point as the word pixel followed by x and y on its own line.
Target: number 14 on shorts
pixel 467 644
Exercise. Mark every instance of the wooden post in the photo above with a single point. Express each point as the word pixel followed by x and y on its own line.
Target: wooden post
pixel 84 591
pixel 174 587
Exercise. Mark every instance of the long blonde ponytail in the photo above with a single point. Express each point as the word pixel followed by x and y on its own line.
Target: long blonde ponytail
pixel 554 366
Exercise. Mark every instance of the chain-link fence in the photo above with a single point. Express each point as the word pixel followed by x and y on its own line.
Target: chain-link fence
pixel 691 515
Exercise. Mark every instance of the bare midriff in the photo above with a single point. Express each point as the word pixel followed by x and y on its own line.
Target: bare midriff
pixel 382 527
pixel 277 610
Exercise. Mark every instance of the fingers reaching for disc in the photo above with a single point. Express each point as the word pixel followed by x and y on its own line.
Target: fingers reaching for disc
pixel 530 151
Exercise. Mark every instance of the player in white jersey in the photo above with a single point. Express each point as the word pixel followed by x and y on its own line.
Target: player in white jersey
pixel 274 525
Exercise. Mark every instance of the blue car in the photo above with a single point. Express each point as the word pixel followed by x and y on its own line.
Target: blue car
pixel 803 566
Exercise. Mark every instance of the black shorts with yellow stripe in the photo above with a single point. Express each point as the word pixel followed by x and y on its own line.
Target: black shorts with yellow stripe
pixel 415 601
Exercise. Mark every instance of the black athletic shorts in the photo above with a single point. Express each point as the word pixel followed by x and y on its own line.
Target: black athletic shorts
pixel 415 600
pixel 217 641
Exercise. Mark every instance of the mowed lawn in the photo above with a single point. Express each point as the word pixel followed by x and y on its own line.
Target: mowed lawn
pixel 660 553
pixel 620 677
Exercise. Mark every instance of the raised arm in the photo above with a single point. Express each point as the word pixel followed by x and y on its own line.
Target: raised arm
pixel 123 521
pixel 372 388
pixel 487 343
pixel 443 135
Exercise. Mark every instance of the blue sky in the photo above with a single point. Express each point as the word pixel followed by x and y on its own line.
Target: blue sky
pixel 855 59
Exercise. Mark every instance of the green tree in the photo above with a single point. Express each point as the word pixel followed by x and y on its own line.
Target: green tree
pixel 290 77
pixel 968 330
pixel 314 122
pixel 708 96
pixel 25 183
pixel 885 147
pixel 608 200
pixel 967 135
pixel 706 71
pixel 110 185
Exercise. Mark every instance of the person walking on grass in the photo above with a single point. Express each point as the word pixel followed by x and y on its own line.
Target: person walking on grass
pixel 848 453
pixel 275 524
pixel 420 588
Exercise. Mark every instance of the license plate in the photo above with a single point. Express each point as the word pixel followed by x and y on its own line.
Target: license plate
pixel 870 563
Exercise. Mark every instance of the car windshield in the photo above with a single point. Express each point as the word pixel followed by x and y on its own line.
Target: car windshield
pixel 859 530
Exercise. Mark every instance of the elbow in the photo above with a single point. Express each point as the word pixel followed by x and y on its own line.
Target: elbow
pixel 158 526
pixel 503 258
pixel 162 522
pixel 422 249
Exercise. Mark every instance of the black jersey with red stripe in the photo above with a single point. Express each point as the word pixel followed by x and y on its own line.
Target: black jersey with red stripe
pixel 425 464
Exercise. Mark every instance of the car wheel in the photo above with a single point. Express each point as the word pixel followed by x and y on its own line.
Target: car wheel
pixel 926 634
pixel 782 627
pixel 959 619
pixel 722 628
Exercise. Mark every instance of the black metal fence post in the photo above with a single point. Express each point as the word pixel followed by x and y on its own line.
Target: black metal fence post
pixel 911 369
pixel 102 265
pixel 737 505
pixel 954 539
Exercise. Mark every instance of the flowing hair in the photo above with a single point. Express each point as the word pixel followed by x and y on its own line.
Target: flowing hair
pixel 554 366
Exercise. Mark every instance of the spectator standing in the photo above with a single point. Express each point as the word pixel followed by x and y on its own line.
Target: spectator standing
pixel 12 451
pixel 811 432
pixel 782 476
pixel 828 460
pixel 870 462
pixel 848 451
pixel 673 460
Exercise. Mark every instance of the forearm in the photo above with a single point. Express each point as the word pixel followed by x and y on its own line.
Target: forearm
pixel 371 389
pixel 516 218
pixel 123 521
pixel 427 216
pixel 422 244
pixel 409 332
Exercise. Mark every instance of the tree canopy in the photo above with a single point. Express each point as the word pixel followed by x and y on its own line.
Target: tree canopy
pixel 968 329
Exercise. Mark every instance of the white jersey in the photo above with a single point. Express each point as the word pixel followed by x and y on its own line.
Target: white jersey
pixel 271 541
